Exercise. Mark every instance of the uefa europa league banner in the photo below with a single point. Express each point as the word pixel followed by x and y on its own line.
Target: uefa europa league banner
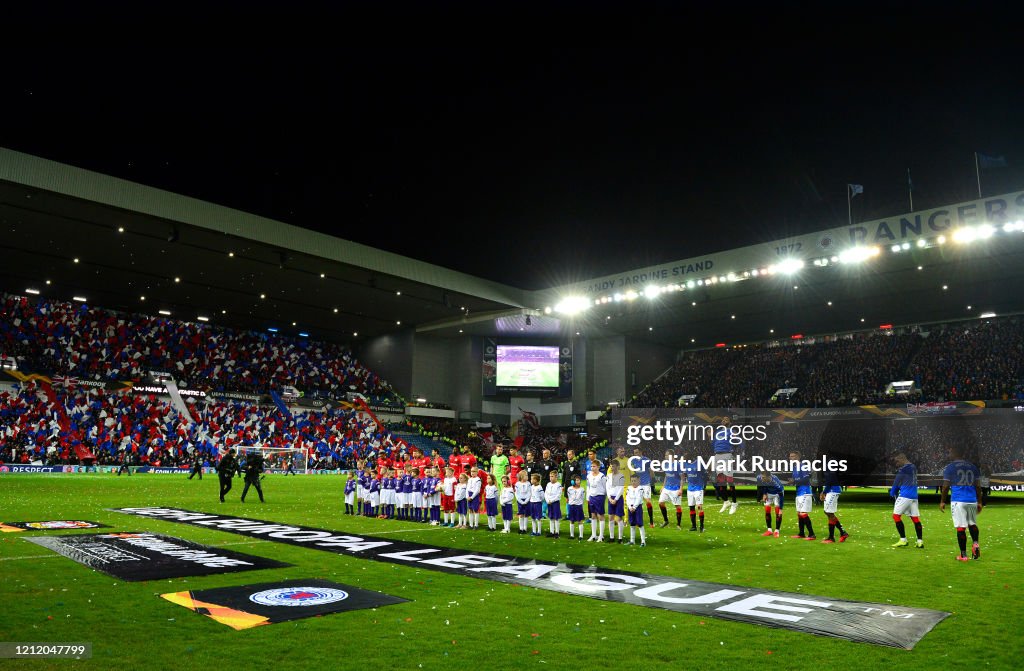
pixel 881 624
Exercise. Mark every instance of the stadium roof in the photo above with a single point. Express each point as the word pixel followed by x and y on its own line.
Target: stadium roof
pixel 193 258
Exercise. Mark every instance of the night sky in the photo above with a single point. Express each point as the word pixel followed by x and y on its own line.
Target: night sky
pixel 534 161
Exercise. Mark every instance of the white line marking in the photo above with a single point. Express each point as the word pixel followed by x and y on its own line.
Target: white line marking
pixel 29 557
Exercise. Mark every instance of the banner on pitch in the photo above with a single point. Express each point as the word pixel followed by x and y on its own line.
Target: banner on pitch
pixel 880 624
pixel 248 606
pixel 50 525
pixel 146 556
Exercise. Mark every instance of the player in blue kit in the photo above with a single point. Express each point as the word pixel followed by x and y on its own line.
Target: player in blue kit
pixel 771 493
pixel 727 450
pixel 671 491
pixel 646 482
pixel 804 500
pixel 372 497
pixel 962 477
pixel 696 481
pixel 830 496
pixel 904 490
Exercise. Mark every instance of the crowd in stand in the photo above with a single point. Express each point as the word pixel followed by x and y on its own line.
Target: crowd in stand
pixel 150 431
pixel 966 361
pixel 984 360
pixel 91 343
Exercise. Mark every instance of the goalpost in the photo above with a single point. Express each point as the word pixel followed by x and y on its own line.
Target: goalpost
pixel 275 459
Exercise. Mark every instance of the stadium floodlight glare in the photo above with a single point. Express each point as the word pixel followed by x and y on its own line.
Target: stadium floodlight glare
pixel 303 335
pixel 34 292
pixel 986 315
pixel 895 249
pixel 985 231
pixel 964 235
pixel 691 284
pixel 941 239
pixel 272 330
pixel 547 309
pixel 922 243
pixel 631 295
pixel 80 299
pixel 203 319
pixel 166 313
pixel 905 246
pixel 571 305
pixel 652 291
pixel 789 266
pixel 857 254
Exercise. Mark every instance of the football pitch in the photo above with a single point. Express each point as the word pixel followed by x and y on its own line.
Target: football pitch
pixel 452 621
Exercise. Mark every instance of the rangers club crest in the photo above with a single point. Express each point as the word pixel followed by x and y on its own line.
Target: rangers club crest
pixel 298 596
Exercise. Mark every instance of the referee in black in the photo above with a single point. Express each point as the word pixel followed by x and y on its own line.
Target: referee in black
pixel 226 471
pixel 253 471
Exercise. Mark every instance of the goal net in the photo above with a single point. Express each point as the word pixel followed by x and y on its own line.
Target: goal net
pixel 276 459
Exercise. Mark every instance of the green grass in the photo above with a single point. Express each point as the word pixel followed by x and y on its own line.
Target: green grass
pixel 453 622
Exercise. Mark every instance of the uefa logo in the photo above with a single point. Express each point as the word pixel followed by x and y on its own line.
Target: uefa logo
pixel 565 351
pixel 298 596
pixel 825 242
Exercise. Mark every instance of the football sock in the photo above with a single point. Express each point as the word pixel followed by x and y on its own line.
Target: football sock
pixel 664 512
pixel 643 535
pixel 768 517
pixel 701 516
pixel 839 525
pixel 800 523
pixel 901 530
pixel 693 517
pixel 632 534
pixel 650 512
pixel 600 529
pixel 732 492
pixel 679 516
pixel 961 539
pixel 918 529
pixel 831 530
pixel 974 532
pixel 778 520
pixel 808 525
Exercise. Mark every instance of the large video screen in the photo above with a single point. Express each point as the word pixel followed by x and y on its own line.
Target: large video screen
pixel 524 366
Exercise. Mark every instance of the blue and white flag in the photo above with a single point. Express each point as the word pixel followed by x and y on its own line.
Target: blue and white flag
pixel 855 189
pixel 991 161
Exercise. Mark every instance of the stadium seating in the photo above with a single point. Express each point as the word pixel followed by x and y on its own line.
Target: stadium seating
pixel 91 343
pixel 975 360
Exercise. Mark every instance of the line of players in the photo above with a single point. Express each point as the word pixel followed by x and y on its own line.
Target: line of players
pixel 455 502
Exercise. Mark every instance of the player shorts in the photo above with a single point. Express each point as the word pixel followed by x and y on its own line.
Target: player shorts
pixel 350 498
pixel 774 500
pixel 359 491
pixel 506 512
pixel 576 513
pixel 636 517
pixel 804 503
pixel 461 506
pixel 673 495
pixel 447 503
pixel 491 506
pixel 595 504
pixel 555 511
pixel 474 502
pixel 645 491
pixel 417 499
pixel 832 502
pixel 695 498
pixel 536 509
pixel 617 509
pixel 906 506
pixel 523 508
pixel 965 514
pixel 724 464
pixel 374 498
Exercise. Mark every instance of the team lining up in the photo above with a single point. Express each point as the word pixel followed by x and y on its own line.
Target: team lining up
pixel 455 502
